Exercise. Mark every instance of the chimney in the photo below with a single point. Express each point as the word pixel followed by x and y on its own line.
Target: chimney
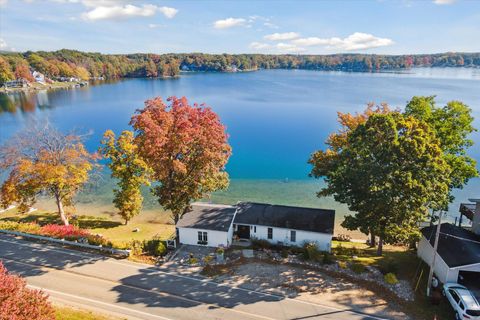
pixel 476 216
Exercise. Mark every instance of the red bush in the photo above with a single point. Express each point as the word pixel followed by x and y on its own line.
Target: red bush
pixel 63 232
pixel 17 302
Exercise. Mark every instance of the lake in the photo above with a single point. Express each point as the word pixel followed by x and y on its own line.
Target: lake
pixel 275 119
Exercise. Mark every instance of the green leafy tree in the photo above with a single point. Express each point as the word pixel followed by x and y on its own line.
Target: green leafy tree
pixel 6 73
pixel 131 171
pixel 187 148
pixel 389 171
pixel 452 125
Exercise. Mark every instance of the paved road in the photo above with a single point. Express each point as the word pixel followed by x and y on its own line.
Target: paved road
pixel 138 291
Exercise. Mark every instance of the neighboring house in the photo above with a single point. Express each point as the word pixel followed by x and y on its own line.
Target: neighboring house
pixel 285 225
pixel 39 77
pixel 215 225
pixel 472 211
pixel 206 224
pixel 19 83
pixel 458 253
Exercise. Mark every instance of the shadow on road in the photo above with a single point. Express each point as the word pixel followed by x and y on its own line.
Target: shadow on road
pixel 31 258
pixel 182 291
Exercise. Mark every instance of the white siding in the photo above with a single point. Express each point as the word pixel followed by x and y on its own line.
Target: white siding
pixel 215 238
pixel 323 240
pixel 441 269
pixel 476 219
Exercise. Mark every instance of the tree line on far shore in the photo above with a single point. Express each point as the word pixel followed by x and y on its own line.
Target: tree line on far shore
pixel 392 168
pixel 87 65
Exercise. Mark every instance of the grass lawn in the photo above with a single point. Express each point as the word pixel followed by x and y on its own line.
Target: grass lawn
pixel 109 226
pixel 66 313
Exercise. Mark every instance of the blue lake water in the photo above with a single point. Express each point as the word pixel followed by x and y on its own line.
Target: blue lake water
pixel 275 119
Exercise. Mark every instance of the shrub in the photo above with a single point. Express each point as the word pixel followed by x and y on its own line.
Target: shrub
pixel 296 250
pixel 21 303
pixel 388 266
pixel 154 247
pixel 63 232
pixel 220 250
pixel 160 249
pixel 136 247
pixel 20 227
pixel 390 278
pixel 207 259
pixel 192 260
pixel 284 252
pixel 357 268
pixel 342 264
pixel 260 244
pixel 312 252
pixel 98 240
pixel 327 258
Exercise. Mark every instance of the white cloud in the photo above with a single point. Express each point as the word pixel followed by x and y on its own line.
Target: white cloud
pixel 289 47
pixel 444 2
pixel 168 12
pixel 311 41
pixel 229 23
pixel 355 41
pixel 3 44
pixel 3 2
pixel 127 11
pixel 155 25
pixel 270 25
pixel 281 36
pixel 259 45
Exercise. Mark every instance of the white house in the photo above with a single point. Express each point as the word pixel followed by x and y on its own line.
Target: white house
pixel 39 77
pixel 206 224
pixel 458 253
pixel 215 225
pixel 285 225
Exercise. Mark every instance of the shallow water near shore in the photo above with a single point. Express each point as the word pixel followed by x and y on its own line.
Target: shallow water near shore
pixel 275 119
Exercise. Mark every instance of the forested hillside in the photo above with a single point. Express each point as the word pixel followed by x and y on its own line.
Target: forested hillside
pixel 86 65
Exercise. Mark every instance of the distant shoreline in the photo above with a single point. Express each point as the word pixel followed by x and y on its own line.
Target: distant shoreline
pixel 36 86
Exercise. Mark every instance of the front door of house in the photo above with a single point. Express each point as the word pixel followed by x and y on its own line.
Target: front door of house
pixel 243 232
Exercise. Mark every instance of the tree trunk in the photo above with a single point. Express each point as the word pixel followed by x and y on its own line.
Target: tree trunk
pixel 126 221
pixel 63 216
pixel 380 246
pixel 373 241
pixel 176 217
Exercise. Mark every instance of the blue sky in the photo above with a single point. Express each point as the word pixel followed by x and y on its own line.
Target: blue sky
pixel 311 27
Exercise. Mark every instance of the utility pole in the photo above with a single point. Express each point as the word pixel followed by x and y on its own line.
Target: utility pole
pixel 435 247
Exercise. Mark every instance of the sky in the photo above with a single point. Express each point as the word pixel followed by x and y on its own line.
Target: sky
pixel 240 26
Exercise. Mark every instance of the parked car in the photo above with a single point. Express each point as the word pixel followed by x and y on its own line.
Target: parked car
pixel 463 301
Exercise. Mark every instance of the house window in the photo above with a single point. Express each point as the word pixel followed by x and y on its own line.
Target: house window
pixel 270 233
pixel 202 237
pixel 255 229
pixel 293 235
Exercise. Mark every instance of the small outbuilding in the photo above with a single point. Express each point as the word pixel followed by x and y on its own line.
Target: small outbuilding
pixel 458 253
pixel 207 225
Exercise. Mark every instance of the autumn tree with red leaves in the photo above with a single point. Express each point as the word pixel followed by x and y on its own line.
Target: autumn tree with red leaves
pixel 187 148
pixel 17 302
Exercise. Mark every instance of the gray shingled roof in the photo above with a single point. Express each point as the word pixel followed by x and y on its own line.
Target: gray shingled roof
pixel 208 216
pixel 457 246
pixel 288 217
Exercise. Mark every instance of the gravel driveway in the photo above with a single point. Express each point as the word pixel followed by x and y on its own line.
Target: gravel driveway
pixel 309 285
